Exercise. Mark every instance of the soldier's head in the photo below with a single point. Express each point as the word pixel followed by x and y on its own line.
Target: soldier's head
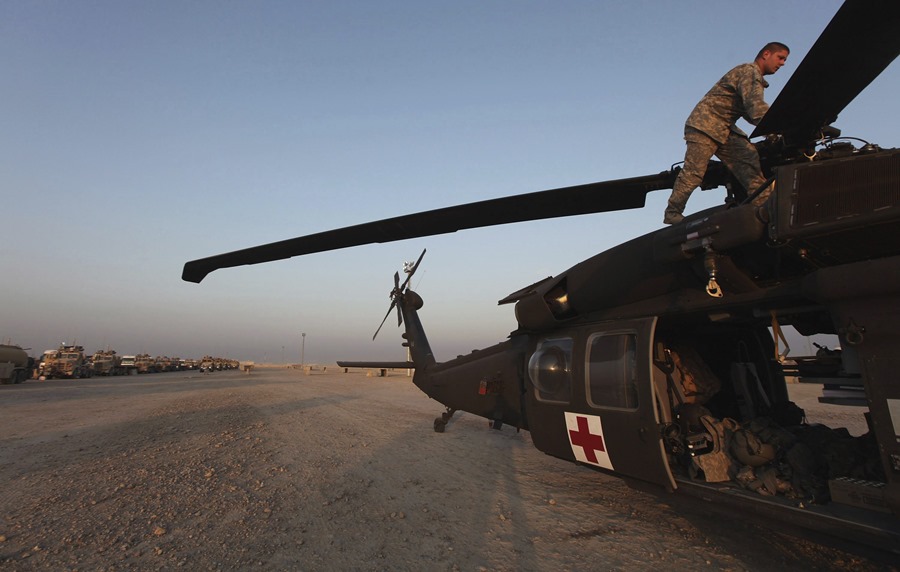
pixel 772 57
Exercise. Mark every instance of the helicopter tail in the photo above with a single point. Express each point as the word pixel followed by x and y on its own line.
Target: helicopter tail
pixel 414 336
pixel 407 304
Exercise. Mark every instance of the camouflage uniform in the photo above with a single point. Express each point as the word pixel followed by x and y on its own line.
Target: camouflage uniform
pixel 711 130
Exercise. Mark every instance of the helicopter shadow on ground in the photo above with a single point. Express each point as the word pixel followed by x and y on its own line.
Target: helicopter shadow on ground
pixel 473 497
pixel 495 490
pixel 427 497
pixel 787 546
pixel 167 426
pixel 140 385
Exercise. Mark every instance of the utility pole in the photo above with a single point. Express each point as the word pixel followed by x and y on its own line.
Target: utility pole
pixel 303 350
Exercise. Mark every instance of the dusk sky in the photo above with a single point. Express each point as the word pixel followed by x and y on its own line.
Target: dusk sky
pixel 139 135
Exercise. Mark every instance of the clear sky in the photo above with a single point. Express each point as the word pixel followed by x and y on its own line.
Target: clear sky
pixel 139 135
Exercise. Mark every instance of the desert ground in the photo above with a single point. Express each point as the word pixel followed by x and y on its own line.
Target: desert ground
pixel 286 469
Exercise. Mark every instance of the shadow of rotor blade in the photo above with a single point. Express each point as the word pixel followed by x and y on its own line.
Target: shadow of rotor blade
pixel 568 201
pixel 858 44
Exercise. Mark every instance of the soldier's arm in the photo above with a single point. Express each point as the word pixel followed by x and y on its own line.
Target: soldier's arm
pixel 750 87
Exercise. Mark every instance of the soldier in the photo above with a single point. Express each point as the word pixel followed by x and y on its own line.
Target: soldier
pixel 710 129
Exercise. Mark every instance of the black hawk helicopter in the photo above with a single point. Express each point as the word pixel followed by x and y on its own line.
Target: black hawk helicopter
pixel 659 360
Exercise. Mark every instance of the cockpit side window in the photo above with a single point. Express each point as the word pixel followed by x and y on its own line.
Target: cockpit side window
pixel 611 371
pixel 550 370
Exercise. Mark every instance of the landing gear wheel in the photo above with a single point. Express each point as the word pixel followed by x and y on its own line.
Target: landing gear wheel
pixel 440 423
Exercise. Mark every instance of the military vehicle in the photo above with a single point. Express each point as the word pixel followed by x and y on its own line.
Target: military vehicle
pixel 144 363
pixel 207 364
pixel 66 361
pixel 165 363
pixel 129 365
pixel 106 362
pixel 15 364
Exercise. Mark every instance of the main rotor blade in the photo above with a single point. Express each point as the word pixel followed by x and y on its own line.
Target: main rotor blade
pixel 861 41
pixel 568 201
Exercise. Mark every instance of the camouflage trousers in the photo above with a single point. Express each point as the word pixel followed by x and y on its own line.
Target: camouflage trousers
pixel 738 154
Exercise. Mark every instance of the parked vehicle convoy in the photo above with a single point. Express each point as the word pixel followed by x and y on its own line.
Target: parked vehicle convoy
pixel 70 361
pixel 15 365
pixel 67 361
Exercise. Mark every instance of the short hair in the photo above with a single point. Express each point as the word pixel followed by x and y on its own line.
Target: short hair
pixel 773 47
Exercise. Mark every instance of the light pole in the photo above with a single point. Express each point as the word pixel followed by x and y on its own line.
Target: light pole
pixel 409 268
pixel 303 350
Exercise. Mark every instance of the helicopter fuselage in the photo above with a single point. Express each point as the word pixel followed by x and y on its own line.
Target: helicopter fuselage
pixel 586 370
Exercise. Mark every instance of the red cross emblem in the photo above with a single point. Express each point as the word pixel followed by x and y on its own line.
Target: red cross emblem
pixel 586 438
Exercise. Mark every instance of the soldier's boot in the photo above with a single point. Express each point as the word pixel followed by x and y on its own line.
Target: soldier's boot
pixel 674 210
pixel 672 216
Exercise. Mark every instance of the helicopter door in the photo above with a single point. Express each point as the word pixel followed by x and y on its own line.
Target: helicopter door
pixel 593 397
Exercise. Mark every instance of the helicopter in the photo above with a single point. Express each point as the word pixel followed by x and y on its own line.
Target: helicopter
pixel 660 360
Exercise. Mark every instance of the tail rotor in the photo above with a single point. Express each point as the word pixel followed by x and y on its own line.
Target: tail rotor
pixel 398 291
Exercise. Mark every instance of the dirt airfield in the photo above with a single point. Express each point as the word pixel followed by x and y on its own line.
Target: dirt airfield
pixel 287 470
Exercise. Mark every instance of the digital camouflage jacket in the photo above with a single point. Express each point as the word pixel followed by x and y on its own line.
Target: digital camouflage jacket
pixel 738 94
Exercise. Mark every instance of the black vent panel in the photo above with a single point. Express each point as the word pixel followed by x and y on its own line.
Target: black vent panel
pixel 840 210
pixel 843 188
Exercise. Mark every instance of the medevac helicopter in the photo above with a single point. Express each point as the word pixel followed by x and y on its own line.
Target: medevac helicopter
pixel 661 359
